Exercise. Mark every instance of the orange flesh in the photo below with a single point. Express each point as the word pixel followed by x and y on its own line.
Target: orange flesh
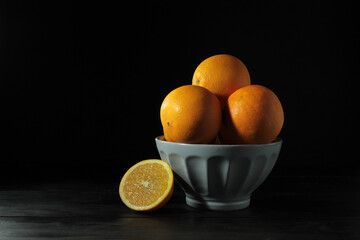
pixel 146 184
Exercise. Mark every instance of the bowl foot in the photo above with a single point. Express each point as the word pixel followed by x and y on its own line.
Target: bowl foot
pixel 217 205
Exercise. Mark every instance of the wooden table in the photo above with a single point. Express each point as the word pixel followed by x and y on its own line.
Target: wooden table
pixel 282 208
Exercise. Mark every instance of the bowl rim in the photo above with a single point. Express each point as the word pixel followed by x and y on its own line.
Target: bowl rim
pixel 276 142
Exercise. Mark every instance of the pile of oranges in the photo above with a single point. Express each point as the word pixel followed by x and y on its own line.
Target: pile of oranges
pixel 221 106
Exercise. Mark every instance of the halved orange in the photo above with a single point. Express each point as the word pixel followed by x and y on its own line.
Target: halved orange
pixel 148 185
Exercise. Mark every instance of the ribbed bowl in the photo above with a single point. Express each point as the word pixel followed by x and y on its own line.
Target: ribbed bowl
pixel 219 177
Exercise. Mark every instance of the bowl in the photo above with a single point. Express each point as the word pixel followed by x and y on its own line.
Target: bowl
pixel 219 177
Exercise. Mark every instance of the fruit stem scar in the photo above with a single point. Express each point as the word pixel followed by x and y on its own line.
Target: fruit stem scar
pixel 168 123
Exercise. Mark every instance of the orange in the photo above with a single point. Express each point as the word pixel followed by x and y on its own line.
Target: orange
pixel 253 115
pixel 190 114
pixel 148 185
pixel 221 74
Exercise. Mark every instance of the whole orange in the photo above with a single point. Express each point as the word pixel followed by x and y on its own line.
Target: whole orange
pixel 222 74
pixel 252 115
pixel 190 114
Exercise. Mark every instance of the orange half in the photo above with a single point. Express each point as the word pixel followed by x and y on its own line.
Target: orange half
pixel 148 185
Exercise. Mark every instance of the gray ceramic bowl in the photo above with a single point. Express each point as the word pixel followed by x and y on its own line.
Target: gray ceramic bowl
pixel 219 177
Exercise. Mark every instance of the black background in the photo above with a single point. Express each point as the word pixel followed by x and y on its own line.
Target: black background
pixel 82 83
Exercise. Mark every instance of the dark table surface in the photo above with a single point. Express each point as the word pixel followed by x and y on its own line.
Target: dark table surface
pixel 283 207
